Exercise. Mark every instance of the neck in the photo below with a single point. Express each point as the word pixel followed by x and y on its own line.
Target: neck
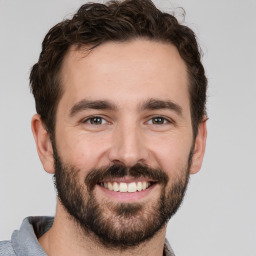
pixel 66 238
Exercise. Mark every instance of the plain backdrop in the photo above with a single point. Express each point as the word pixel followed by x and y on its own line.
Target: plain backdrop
pixel 219 210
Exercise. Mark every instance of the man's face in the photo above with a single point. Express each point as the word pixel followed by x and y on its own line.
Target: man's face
pixel 123 139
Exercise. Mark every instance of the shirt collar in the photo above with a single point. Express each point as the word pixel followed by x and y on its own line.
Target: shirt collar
pixel 25 241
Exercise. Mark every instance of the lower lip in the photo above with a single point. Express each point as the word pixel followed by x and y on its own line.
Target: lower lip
pixel 126 196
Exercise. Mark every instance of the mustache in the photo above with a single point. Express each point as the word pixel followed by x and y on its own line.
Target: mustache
pixel 119 171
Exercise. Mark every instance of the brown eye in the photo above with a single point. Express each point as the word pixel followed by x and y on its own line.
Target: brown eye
pixel 95 120
pixel 159 120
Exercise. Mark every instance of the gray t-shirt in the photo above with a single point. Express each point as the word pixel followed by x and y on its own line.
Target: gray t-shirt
pixel 24 242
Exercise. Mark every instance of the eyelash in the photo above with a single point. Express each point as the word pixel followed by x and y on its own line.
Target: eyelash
pixel 165 120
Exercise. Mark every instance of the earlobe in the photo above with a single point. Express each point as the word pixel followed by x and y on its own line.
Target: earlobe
pixel 43 143
pixel 199 148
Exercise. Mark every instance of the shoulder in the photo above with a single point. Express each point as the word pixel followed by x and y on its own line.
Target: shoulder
pixel 24 241
pixel 6 248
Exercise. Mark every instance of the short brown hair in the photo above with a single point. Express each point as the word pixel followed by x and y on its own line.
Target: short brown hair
pixel 95 24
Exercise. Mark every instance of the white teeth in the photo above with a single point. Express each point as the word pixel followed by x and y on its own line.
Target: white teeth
pixel 132 187
pixel 110 187
pixel 126 187
pixel 115 186
pixel 139 186
pixel 123 187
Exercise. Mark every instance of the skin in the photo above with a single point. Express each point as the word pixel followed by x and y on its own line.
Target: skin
pixel 126 75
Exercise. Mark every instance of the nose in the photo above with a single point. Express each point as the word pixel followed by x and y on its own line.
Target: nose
pixel 128 145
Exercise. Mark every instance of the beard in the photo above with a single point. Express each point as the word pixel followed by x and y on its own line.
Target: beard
pixel 118 225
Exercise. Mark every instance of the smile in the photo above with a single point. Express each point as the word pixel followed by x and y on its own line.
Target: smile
pixel 124 187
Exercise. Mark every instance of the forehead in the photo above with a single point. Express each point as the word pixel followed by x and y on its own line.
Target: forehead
pixel 125 72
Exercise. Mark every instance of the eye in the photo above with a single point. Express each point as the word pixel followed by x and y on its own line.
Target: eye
pixel 158 120
pixel 95 120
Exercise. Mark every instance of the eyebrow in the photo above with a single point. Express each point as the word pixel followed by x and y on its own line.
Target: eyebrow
pixel 91 104
pixel 154 104
pixel 151 104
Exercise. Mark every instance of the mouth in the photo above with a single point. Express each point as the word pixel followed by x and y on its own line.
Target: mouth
pixel 126 187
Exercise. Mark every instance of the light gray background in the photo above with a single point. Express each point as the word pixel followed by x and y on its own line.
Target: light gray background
pixel 218 214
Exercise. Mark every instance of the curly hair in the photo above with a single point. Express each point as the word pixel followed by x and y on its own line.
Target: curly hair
pixel 95 24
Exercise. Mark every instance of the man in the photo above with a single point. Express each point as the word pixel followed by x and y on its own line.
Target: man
pixel 120 96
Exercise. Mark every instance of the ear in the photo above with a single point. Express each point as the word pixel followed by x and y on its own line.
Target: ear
pixel 43 143
pixel 199 148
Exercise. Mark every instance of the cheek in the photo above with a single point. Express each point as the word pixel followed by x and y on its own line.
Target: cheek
pixel 81 150
pixel 172 154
